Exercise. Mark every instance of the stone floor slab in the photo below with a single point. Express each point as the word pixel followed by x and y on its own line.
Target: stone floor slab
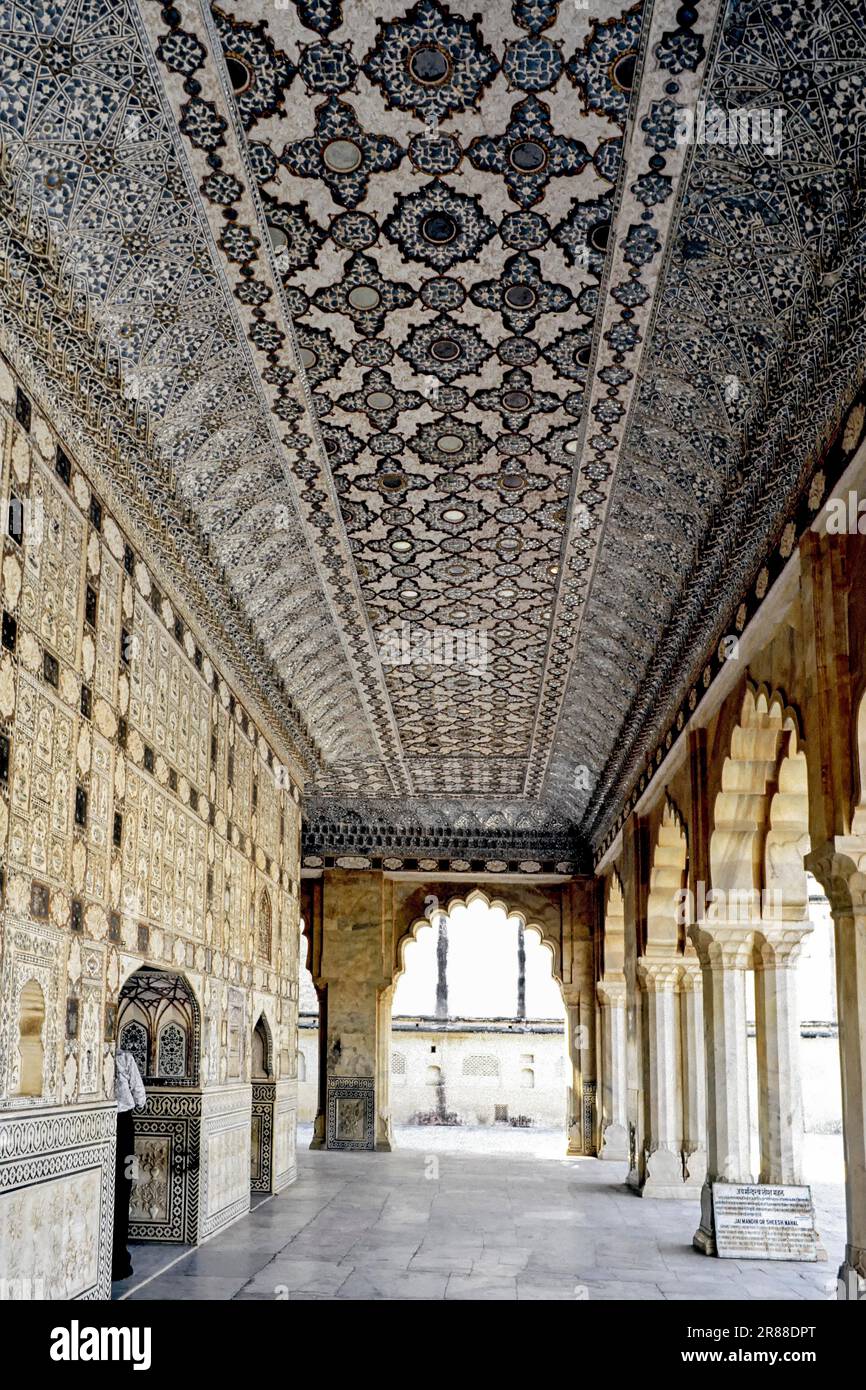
pixel 499 1226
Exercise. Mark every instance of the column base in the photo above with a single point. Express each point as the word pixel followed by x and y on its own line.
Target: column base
pixel 318 1140
pixel 704 1241
pixel 704 1238
pixel 851 1286
pixel 383 1146
pixel 664 1177
pixel 614 1144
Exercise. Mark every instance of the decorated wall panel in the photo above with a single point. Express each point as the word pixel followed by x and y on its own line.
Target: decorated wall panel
pixel 142 816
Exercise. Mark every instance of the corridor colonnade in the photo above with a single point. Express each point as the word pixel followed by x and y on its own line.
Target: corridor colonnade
pixel 150 820
pixel 770 785
pixel 699 893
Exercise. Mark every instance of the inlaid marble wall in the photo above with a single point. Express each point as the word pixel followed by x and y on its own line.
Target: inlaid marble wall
pixel 144 819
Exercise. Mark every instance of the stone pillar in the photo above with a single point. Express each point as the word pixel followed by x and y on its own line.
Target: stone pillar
pixel 635 877
pixel 721 949
pixel 662 1168
pixel 576 1048
pixel 851 998
pixel 780 1105
pixel 348 912
pixel 694 1074
pixel 320 1122
pixel 589 1083
pixel 842 873
pixel 384 1137
pixel 613 1089
pixel 831 588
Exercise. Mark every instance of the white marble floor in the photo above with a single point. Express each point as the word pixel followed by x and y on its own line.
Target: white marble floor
pixel 429 1223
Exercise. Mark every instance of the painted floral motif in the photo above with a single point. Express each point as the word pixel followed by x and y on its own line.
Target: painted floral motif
pixel 426 343
pixel 522 294
pixel 259 73
pixel 430 62
pixel 341 154
pixel 438 226
pixel 605 68
pixel 327 67
pixel 364 295
pixel 517 400
pixel 529 153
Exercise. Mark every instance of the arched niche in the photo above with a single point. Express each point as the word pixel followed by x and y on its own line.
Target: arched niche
pixel 667 880
pixel 613 963
pixel 786 889
pixel 264 926
pixel 31 1045
pixel 262 1050
pixel 740 809
pixel 134 1037
pixel 760 828
pixel 159 1013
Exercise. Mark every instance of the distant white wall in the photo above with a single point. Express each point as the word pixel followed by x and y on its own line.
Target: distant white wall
pixel 475 1072
pixel 524 1072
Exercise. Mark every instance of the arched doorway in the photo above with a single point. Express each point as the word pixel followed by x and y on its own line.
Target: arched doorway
pixel 159 1022
pixel 264 1102
pixel 478 1055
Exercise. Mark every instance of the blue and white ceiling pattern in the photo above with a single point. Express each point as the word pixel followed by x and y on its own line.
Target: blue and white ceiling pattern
pixel 437 323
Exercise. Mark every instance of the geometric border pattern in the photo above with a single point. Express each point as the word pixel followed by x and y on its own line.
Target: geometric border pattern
pixel 35 1149
pixel 350 1088
pixel 263 1108
pixel 176 1118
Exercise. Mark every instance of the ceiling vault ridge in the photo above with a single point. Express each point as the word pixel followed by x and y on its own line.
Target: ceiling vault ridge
pixel 711 609
pixel 577 579
pixel 391 756
pixel 753 354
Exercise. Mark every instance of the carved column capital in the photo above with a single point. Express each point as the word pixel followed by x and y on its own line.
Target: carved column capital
pixel 724 945
pixel 840 868
pixel 782 942
pixel 612 992
pixel 658 974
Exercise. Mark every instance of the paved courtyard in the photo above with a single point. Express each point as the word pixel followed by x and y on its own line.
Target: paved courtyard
pixel 430 1223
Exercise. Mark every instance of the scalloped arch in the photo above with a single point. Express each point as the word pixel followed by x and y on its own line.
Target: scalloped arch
pixel 478 895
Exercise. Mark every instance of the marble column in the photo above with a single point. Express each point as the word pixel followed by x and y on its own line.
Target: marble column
pixel 634 1027
pixel 589 1083
pixel 663 1165
pixel 842 872
pixel 722 952
pixel 321 1120
pixel 780 1105
pixel 384 1138
pixel 694 1074
pixel 613 1082
pixel 851 993
pixel 581 1089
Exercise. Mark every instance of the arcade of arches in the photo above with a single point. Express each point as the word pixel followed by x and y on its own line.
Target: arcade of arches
pixel 423 475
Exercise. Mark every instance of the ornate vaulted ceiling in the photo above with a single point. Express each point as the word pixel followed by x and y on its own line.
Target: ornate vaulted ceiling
pixel 431 320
